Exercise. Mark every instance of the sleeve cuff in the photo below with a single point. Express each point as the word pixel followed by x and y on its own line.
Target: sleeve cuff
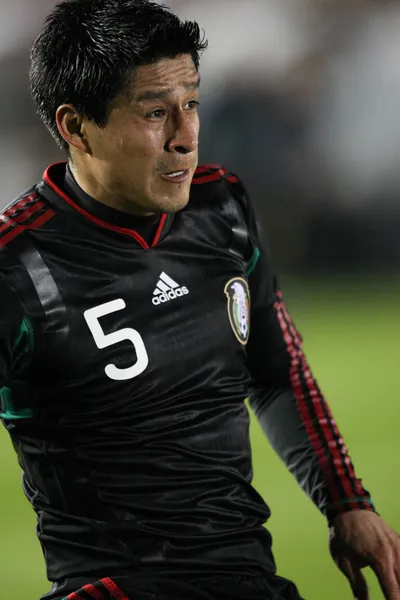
pixel 347 505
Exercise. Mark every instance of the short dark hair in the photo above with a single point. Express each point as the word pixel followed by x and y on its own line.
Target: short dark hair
pixel 88 50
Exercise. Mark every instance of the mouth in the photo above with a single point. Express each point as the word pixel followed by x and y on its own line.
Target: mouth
pixel 176 176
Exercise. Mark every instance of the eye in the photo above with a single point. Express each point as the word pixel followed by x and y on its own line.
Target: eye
pixel 193 104
pixel 156 114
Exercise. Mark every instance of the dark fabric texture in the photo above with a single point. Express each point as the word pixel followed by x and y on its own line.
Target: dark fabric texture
pixel 136 453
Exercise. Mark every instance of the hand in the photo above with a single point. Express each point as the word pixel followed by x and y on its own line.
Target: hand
pixel 361 539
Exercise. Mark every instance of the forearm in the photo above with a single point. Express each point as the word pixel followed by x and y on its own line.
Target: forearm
pixel 300 427
pixel 321 467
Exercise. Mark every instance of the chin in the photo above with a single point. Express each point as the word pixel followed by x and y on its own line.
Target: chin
pixel 179 205
pixel 174 204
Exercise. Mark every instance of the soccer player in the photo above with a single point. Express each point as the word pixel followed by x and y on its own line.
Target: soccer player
pixel 138 311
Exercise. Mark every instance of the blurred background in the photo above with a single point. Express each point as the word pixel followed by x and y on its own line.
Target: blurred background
pixel 301 98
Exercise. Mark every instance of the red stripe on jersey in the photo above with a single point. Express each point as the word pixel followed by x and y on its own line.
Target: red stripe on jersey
pixel 20 228
pixel 117 593
pixel 360 492
pixel 207 179
pixel 92 591
pixel 329 429
pixel 205 168
pixel 218 174
pixel 123 230
pixel 297 368
pixel 335 444
pixel 159 231
pixel 232 178
pixel 28 212
pixel 20 204
pixel 346 459
pixel 7 215
pixel 74 596
pixel 7 224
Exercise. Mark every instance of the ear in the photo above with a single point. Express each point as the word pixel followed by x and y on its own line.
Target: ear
pixel 71 126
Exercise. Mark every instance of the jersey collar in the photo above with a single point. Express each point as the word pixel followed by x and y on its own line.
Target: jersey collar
pixel 73 199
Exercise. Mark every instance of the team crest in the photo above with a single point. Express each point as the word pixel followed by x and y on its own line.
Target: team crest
pixel 238 296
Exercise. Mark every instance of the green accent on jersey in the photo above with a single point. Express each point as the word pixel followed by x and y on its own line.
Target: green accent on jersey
pixel 14 397
pixel 355 499
pixel 253 261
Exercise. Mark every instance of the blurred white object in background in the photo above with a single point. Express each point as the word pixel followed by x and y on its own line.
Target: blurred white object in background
pixel 20 22
pixel 356 126
pixel 250 43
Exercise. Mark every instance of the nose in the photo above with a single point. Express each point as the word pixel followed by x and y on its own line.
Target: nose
pixel 185 137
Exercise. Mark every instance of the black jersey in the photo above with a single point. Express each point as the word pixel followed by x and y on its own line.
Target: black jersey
pixel 124 368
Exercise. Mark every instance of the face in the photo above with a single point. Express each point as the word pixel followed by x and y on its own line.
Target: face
pixel 145 157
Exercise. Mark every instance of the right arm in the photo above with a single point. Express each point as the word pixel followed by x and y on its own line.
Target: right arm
pixel 11 318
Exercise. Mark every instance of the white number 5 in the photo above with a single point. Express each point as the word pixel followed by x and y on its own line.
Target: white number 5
pixel 104 340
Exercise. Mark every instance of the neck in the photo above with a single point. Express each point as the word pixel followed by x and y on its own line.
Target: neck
pixel 91 186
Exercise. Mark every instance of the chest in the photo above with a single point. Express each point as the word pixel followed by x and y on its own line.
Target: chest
pixel 144 323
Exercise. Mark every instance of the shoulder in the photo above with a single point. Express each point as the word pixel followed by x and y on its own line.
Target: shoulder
pixel 221 184
pixel 208 174
pixel 27 212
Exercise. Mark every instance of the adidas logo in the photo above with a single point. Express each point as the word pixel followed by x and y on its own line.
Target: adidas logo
pixel 167 289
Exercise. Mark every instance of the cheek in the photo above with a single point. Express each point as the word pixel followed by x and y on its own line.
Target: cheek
pixel 141 146
pixel 100 144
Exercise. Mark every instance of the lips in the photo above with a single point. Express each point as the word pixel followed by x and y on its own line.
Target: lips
pixel 174 174
pixel 178 176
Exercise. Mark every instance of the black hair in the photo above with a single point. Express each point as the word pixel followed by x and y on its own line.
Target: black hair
pixel 88 50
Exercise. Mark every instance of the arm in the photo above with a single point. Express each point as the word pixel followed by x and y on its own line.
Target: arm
pixel 298 422
pixel 11 321
pixel 285 396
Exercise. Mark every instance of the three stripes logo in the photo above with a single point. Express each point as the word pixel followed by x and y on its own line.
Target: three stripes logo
pixel 209 173
pixel 26 213
pixel 167 289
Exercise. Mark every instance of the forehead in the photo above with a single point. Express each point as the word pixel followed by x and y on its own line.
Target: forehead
pixel 171 73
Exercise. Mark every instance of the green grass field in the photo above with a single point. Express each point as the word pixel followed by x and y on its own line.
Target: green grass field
pixel 352 339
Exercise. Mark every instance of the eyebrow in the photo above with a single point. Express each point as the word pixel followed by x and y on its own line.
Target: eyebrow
pixel 162 94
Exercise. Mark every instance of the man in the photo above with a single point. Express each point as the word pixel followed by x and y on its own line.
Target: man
pixel 138 311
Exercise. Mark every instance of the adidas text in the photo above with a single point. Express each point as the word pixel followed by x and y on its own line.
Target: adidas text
pixel 167 289
pixel 170 295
